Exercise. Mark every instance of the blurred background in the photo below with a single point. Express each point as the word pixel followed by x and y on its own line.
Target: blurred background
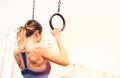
pixel 91 36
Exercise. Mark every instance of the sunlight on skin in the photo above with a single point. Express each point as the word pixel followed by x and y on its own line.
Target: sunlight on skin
pixel 91 36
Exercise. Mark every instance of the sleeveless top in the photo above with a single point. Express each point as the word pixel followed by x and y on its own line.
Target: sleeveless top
pixel 28 73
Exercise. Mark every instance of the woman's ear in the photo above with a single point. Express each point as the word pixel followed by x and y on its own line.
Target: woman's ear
pixel 38 36
pixel 36 33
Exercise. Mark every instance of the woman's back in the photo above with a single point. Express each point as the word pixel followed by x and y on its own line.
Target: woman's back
pixel 34 58
pixel 32 63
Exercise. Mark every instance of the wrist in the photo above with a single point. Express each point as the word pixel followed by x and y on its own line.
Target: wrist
pixel 57 37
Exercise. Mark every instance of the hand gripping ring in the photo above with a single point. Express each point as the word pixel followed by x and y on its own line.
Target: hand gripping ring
pixel 57 14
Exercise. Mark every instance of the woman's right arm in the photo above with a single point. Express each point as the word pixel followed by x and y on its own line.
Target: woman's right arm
pixel 60 58
pixel 62 50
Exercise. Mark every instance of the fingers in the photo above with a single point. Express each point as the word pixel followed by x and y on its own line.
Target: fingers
pixel 56 32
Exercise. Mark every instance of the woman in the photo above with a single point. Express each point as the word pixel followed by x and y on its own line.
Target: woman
pixel 32 58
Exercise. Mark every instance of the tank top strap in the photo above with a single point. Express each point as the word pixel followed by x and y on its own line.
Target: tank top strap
pixel 24 59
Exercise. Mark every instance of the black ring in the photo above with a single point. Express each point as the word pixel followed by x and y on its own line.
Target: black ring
pixel 57 14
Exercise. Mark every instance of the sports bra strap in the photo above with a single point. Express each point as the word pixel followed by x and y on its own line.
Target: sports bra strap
pixel 24 59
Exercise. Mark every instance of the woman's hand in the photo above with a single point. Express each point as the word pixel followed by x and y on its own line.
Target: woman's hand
pixel 56 32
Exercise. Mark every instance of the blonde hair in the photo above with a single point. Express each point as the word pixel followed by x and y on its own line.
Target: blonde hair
pixel 29 28
pixel 21 38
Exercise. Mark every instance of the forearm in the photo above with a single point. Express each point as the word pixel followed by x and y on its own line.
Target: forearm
pixel 61 48
pixel 62 57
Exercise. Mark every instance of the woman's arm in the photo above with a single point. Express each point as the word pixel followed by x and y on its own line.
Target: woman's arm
pixel 60 58
pixel 62 50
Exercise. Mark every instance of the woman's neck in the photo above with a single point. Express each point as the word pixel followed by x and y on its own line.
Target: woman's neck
pixel 30 42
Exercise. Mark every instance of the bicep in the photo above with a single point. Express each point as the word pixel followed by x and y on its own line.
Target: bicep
pixel 53 56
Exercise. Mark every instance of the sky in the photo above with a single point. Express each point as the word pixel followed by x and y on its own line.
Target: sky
pixel 91 35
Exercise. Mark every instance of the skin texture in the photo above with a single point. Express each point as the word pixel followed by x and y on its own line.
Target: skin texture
pixel 37 55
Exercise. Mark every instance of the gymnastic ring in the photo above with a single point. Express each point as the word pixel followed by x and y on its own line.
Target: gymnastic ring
pixel 57 14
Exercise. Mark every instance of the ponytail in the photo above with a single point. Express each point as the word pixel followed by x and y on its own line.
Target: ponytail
pixel 21 38
pixel 29 28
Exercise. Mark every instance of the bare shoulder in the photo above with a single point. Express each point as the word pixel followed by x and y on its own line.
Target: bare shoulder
pixel 16 51
pixel 42 49
pixel 17 56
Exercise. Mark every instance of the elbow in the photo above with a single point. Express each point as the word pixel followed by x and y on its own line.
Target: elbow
pixel 66 63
